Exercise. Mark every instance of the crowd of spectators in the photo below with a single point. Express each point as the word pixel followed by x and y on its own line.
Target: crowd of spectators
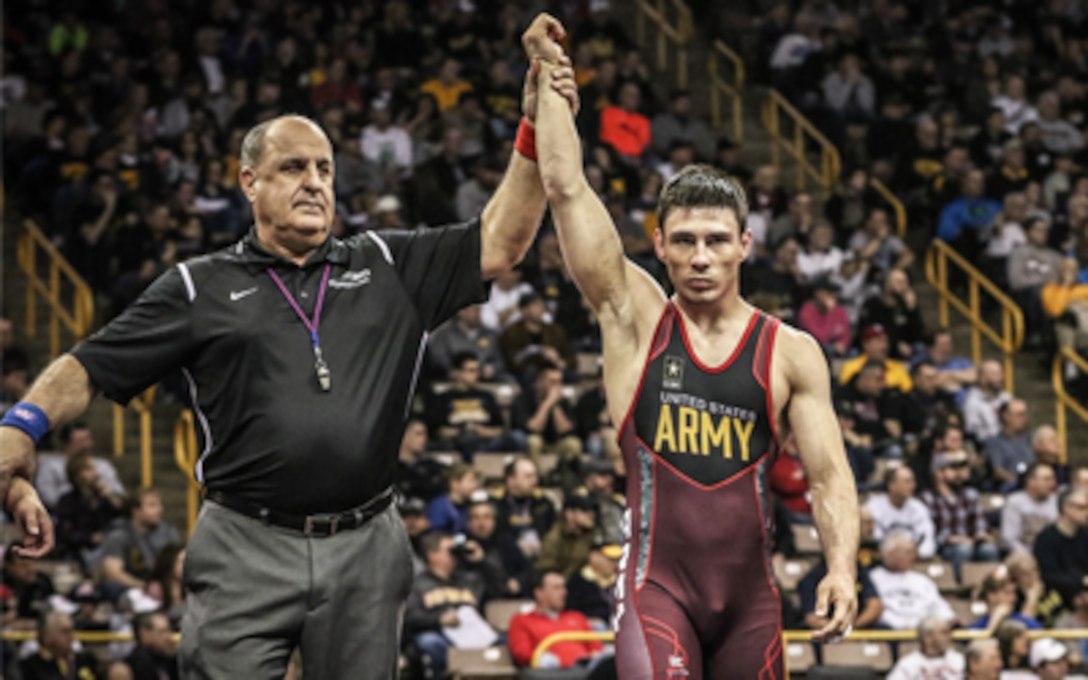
pixel 123 126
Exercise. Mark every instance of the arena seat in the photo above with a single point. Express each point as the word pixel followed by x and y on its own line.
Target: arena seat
pixel 975 572
pixel 491 465
pixel 800 656
pixel 942 574
pixel 505 393
pixel 493 662
pixel 499 612
pixel 546 462
pixel 445 457
pixel 966 609
pixel 806 539
pixel 874 655
pixel 788 573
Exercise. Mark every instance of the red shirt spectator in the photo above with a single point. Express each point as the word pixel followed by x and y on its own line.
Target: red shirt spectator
pixel 623 127
pixel 528 630
pixel 825 319
pixel 789 482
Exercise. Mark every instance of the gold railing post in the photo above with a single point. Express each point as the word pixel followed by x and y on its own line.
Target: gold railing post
pixel 145 448
pixel 976 315
pixel 118 430
pixel 942 276
pixel 31 255
pixel 682 66
pixel 798 149
pixel 54 299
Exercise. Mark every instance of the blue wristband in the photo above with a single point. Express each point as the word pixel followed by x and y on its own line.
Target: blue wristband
pixel 28 418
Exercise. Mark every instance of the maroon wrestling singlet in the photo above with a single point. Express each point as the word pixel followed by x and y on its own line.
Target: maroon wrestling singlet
pixel 696 595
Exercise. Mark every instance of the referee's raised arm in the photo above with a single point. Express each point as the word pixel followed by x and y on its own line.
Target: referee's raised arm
pixel 512 216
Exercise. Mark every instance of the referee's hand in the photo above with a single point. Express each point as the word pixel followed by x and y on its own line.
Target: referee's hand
pixel 541 39
pixel 35 526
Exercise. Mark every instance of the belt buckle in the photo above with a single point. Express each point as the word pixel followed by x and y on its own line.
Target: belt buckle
pixel 313 522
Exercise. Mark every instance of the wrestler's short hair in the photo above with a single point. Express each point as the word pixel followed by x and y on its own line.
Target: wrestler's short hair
pixel 702 186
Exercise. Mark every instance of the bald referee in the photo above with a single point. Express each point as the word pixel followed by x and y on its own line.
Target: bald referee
pixel 301 352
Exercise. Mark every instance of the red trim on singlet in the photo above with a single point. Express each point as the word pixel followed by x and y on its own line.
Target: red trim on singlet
pixel 703 487
pixel 736 350
pixel 656 348
pixel 772 332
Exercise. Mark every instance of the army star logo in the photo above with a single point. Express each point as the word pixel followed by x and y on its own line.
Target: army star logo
pixel 674 373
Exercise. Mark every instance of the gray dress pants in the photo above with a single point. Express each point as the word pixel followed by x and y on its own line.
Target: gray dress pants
pixel 254 592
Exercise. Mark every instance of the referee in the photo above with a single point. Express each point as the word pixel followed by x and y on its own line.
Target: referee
pixel 301 352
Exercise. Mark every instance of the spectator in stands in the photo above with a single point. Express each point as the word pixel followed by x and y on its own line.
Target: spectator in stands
pixel 1065 302
pixel 413 512
pixel 29 588
pixel 1061 548
pixel 85 513
pixel 935 658
pixel 418 475
pixel 1031 266
pixel 9 349
pixel 624 127
pixel 899 510
pixel 546 417
pixel 797 222
pixel 983 660
pixel 1014 103
pixel 870 608
pixel 566 547
pixel 14 381
pixel 603 32
pixel 1009 451
pixel 1049 659
pixel 821 257
pixel 1048 449
pixel 449 512
pixel 533 341
pixel 165 585
pixel 778 281
pixel 73 439
pixel 440 596
pixel 1059 135
pixel 435 181
pixel 908 596
pixel 963 222
pixel 487 551
pixel 849 93
pixel 766 195
pixel 984 400
pixel 524 513
pixel 998 591
pixel 678 123
pixel 155 656
pixel 590 589
pixel 528 630
pixel 599 481
pixel 474 193
pixel 1027 512
pixel 1011 176
pixel 1015 645
pixel 787 479
pixel 921 409
pixel 987 144
pixel 595 426
pixel 681 153
pixel 954 374
pixel 728 159
pixel 448 87
pixel 1076 617
pixel 467 418
pixel 896 311
pixel 874 411
pixel 466 333
pixel 963 534
pixel 132 547
pixel 826 320
pixel 385 143
pixel 55 657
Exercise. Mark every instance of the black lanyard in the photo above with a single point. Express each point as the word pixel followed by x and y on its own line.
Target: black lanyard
pixel 320 367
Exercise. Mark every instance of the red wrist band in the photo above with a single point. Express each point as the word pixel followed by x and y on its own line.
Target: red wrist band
pixel 525 143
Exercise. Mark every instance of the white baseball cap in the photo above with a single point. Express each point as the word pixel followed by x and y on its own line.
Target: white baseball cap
pixel 1045 650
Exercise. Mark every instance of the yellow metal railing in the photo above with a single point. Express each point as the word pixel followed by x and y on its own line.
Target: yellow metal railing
pixel 789 636
pixel 898 209
pixel 674 29
pixel 723 88
pixel 142 406
pixel 794 134
pixel 186 455
pixel 76 315
pixel 87 637
pixel 1011 336
pixel 1063 401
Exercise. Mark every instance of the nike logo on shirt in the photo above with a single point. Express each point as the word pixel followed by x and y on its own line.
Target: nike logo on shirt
pixel 236 295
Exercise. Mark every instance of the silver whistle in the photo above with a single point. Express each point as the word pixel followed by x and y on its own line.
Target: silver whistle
pixel 324 376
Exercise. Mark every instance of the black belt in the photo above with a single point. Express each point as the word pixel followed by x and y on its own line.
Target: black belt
pixel 319 525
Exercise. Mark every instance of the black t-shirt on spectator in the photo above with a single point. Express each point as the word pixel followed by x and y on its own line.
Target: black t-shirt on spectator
pixel 870 412
pixel 523 408
pixel 1063 560
pixel 457 408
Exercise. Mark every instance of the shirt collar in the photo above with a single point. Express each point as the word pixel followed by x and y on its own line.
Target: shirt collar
pixel 250 250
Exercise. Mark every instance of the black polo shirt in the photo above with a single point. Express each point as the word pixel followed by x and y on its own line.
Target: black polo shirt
pixel 268 433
